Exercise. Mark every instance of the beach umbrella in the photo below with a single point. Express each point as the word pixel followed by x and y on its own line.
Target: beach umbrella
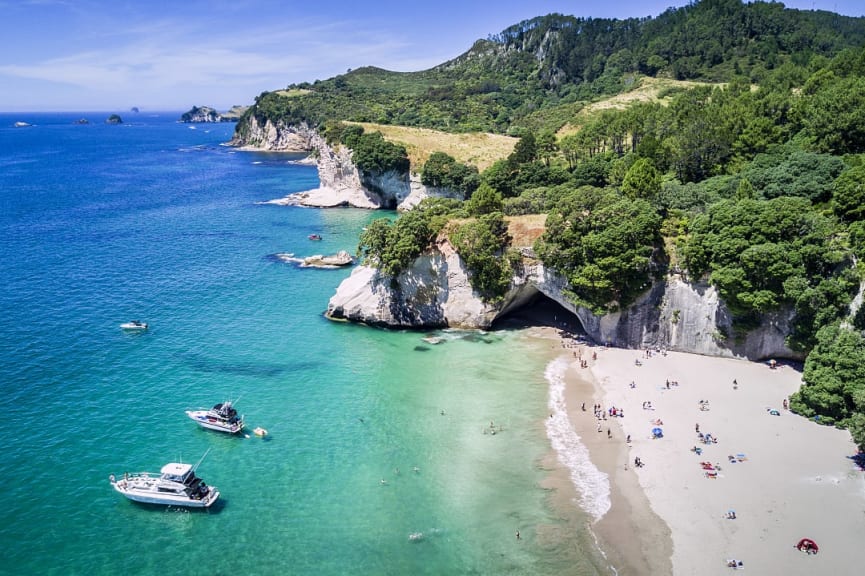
pixel 657 432
pixel 808 545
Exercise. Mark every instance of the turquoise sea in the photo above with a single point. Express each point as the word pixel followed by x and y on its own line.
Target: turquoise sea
pixel 375 435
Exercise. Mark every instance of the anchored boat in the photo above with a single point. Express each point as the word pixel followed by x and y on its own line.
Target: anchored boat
pixel 222 418
pixel 175 485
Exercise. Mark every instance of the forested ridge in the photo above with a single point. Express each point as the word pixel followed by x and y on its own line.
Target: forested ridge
pixel 541 70
pixel 755 184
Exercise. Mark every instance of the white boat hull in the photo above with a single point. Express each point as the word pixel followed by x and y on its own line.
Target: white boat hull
pixel 205 420
pixel 145 489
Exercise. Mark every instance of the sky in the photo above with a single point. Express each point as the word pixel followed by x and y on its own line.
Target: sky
pixel 111 55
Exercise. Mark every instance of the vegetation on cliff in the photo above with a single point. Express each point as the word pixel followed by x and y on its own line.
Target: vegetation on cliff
pixel 834 388
pixel 778 253
pixel 604 243
pixel 371 153
pixel 755 185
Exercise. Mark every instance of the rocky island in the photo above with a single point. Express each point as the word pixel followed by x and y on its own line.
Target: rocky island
pixel 205 114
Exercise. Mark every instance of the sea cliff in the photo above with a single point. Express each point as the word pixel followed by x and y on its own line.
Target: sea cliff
pixel 673 314
pixel 342 184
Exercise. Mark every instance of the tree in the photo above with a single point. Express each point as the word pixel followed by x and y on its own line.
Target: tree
pixel 848 198
pixel 546 146
pixel 642 180
pixel 525 150
pixel 832 113
pixel 834 381
pixel 745 190
pixel 604 244
pixel 485 200
pixel 443 171
pixel 481 243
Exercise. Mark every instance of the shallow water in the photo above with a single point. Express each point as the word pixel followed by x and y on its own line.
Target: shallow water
pixel 152 220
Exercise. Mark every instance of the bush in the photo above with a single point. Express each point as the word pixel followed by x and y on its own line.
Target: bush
pixel 604 244
pixel 443 171
pixel 481 243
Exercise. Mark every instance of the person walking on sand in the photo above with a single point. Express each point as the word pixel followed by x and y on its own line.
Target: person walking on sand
pixel 609 434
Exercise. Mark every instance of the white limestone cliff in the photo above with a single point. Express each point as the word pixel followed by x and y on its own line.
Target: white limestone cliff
pixel 673 314
pixel 341 183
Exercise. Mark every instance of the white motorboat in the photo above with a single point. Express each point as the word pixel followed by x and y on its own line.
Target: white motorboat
pixel 176 485
pixel 222 418
pixel 134 325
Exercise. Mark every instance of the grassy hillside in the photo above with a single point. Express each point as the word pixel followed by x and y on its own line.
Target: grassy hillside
pixel 647 90
pixel 478 149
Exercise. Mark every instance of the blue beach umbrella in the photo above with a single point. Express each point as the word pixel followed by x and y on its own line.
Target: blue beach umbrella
pixel 657 432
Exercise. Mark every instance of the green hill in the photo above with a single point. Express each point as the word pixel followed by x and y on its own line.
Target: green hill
pixel 552 64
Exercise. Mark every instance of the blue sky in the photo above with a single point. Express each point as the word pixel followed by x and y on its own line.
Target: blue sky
pixel 161 55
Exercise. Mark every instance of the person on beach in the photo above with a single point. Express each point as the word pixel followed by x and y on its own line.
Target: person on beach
pixel 609 434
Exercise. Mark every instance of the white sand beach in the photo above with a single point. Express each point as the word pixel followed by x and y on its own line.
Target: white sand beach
pixel 789 478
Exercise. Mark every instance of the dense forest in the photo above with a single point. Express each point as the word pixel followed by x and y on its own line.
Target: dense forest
pixel 537 73
pixel 755 183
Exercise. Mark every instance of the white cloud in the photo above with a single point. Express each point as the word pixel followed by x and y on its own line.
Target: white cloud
pixel 170 56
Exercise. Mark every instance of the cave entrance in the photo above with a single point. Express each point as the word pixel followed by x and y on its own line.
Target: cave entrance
pixel 540 310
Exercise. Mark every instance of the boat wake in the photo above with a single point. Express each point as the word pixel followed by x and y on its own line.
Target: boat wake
pixel 593 486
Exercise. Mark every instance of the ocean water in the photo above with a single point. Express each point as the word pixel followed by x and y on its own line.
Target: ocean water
pixel 374 435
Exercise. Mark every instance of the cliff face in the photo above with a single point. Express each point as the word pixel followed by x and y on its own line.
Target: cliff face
pixel 673 314
pixel 344 184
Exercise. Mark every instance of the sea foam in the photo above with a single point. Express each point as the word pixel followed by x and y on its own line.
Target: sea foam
pixel 593 486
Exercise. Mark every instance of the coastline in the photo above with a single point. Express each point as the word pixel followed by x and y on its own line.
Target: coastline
pixel 794 479
pixel 594 490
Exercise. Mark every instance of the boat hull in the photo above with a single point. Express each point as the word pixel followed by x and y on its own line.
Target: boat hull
pixel 148 494
pixel 203 419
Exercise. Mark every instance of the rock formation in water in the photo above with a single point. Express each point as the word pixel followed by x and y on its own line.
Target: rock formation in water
pixel 205 114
